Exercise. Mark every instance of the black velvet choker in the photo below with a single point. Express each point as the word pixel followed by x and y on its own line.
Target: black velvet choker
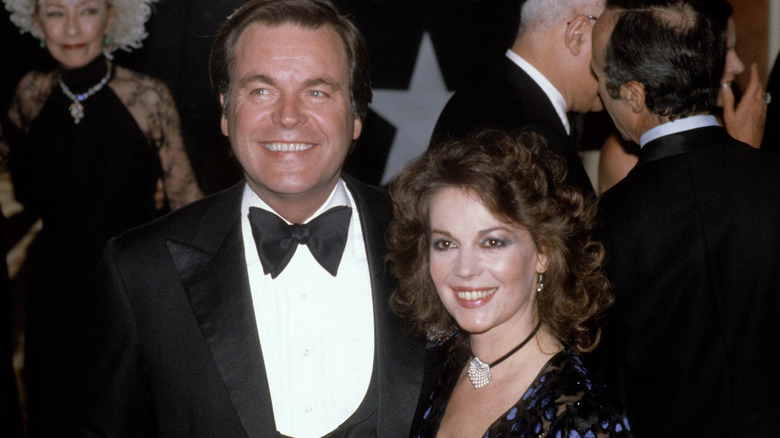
pixel 81 78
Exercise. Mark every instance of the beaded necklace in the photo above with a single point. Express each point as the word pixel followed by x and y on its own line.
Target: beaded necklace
pixel 76 108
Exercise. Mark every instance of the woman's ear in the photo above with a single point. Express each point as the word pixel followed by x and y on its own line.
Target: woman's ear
pixel 542 260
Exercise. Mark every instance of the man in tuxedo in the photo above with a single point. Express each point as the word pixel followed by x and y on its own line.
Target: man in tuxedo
pixel 545 74
pixel 262 311
pixel 692 235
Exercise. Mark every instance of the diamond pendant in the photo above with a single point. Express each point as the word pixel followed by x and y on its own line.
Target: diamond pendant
pixel 76 111
pixel 479 373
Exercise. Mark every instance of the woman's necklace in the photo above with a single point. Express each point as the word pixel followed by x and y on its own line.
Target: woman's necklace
pixel 479 372
pixel 76 108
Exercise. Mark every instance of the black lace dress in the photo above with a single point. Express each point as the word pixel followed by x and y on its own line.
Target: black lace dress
pixel 88 182
pixel 562 402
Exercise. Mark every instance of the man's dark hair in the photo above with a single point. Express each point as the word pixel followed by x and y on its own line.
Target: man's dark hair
pixel 309 14
pixel 676 51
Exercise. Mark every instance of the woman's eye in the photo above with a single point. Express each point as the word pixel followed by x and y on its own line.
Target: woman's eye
pixel 442 245
pixel 494 243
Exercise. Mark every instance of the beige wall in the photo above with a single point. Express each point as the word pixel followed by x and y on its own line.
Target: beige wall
pixel 752 18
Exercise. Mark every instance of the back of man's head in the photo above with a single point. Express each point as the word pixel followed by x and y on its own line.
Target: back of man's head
pixel 670 47
pixel 536 14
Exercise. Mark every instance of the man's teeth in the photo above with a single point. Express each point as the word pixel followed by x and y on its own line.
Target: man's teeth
pixel 475 295
pixel 287 147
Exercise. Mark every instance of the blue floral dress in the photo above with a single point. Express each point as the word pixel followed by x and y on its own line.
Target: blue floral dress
pixel 562 402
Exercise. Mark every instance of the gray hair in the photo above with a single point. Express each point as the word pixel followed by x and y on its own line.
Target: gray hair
pixel 126 32
pixel 540 13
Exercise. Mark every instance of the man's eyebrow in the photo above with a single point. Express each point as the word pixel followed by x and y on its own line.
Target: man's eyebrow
pixel 314 82
pixel 256 78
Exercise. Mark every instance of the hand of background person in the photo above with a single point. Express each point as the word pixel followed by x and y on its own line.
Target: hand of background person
pixel 746 121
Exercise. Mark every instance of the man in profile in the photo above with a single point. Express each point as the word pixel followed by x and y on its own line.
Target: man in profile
pixel 545 74
pixel 692 235
pixel 262 310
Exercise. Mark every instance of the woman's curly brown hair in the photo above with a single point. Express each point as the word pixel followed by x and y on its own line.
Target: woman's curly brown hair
pixel 521 182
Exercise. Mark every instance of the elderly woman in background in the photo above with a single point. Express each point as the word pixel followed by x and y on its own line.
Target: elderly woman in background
pixel 95 149
pixel 489 244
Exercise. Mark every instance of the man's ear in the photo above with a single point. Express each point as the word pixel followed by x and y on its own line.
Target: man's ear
pixel 578 34
pixel 223 122
pixel 634 94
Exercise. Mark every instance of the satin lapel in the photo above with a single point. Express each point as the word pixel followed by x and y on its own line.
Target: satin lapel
pixel 520 80
pixel 400 361
pixel 682 142
pixel 218 290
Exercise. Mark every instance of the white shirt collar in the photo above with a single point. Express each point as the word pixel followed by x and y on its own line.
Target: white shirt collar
pixel 676 126
pixel 337 197
pixel 555 96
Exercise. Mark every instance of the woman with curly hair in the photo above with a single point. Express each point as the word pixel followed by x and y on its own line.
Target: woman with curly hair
pixel 493 251
pixel 95 149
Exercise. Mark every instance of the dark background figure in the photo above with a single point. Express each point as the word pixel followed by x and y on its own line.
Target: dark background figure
pixel 94 149
pixel 11 423
pixel 545 75
pixel 771 140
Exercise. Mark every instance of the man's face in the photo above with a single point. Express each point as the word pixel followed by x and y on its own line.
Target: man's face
pixel 617 108
pixel 289 120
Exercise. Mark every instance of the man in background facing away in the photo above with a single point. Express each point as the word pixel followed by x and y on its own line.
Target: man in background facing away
pixel 692 235
pixel 545 74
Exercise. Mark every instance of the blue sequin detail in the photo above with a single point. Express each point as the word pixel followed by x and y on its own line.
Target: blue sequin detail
pixel 605 425
pixel 537 427
pixel 512 414
pixel 574 434
pixel 549 414
pixel 427 413
pixel 618 427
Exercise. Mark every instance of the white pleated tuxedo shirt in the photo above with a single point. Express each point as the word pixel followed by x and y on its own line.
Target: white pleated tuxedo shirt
pixel 316 331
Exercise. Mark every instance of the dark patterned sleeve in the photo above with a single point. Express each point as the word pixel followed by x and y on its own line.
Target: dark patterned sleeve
pixel 589 414
pixel 179 180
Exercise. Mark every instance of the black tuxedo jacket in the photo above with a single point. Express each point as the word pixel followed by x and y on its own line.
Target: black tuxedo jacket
pixel 508 99
pixel 178 350
pixel 692 236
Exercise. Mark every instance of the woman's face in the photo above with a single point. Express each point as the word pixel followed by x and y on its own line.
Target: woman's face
pixel 733 65
pixel 74 29
pixel 484 269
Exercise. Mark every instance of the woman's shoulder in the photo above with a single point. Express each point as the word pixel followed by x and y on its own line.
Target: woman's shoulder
pixel 31 94
pixel 138 88
pixel 582 404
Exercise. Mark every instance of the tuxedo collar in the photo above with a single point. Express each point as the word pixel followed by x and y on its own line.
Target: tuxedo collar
pixel 682 142
pixel 213 272
pixel 400 360
pixel 551 91
pixel 519 79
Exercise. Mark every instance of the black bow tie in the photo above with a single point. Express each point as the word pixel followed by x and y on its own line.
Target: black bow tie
pixel 325 235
